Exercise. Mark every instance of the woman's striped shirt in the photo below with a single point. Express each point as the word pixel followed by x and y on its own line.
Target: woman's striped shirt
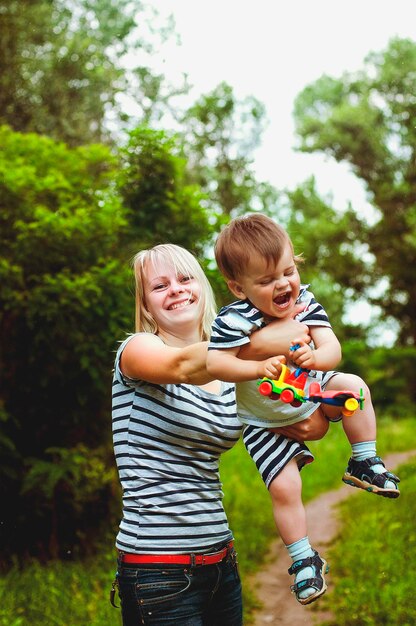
pixel 167 442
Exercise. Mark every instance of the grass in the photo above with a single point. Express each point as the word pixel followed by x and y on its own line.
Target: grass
pixel 60 594
pixel 76 594
pixel 372 577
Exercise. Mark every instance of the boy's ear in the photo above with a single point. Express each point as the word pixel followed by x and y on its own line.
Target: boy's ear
pixel 236 289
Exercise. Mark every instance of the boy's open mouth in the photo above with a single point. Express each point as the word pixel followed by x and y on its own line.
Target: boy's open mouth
pixel 283 299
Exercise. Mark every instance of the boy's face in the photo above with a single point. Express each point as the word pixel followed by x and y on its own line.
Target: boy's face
pixel 272 288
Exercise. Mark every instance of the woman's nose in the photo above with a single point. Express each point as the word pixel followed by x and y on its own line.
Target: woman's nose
pixel 176 287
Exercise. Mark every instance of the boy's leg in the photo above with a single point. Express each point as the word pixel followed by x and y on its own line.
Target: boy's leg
pixel 288 510
pixel 290 517
pixel 365 469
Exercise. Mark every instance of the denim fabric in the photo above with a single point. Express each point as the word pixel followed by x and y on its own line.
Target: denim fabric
pixel 207 595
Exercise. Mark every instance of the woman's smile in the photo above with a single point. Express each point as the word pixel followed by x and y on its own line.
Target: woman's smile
pixel 180 305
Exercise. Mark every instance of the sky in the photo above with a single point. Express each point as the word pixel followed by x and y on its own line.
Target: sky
pixel 272 49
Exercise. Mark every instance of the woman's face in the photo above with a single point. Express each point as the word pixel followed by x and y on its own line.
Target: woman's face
pixel 172 299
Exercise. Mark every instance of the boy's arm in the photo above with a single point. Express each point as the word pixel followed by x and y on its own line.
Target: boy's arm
pixel 226 365
pixel 326 355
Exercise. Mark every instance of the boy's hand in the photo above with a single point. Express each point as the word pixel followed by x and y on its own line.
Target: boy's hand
pixel 270 368
pixel 302 355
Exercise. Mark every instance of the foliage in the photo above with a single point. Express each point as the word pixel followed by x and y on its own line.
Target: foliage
pixel 388 372
pixel 221 134
pixel 63 66
pixel 161 206
pixel 331 260
pixel 371 578
pixel 66 238
pixel 63 301
pixel 367 119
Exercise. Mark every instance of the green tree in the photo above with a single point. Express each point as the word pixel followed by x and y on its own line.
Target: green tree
pixel 70 220
pixel 326 241
pixel 64 300
pixel 367 119
pixel 66 66
pixel 161 206
pixel 221 134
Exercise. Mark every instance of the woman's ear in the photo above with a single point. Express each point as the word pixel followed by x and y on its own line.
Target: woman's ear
pixel 236 289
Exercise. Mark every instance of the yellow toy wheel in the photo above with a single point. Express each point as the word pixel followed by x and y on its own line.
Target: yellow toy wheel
pixel 350 406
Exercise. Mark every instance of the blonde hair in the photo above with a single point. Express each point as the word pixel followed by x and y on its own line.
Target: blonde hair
pixel 244 236
pixel 185 264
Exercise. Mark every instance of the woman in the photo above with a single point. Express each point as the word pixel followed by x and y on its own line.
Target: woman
pixel 177 563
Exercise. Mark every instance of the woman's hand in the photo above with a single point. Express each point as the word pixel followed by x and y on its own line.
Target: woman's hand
pixel 311 429
pixel 275 338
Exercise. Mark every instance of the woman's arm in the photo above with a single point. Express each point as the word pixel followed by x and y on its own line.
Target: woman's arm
pixel 146 357
pixel 275 338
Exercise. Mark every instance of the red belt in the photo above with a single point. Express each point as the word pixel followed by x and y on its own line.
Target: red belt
pixel 182 559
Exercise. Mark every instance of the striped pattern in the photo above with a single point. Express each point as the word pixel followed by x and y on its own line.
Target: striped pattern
pixel 167 442
pixel 272 452
pixel 314 313
pixel 234 325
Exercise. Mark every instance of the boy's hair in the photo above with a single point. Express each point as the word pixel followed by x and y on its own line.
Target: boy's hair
pixel 185 264
pixel 254 233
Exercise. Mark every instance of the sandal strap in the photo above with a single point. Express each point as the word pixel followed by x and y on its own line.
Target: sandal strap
pixel 392 476
pixel 316 583
pixel 309 561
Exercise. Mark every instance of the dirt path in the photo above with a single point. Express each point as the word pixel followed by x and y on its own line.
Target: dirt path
pixel 271 584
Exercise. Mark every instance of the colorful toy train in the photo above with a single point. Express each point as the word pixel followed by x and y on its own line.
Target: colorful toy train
pixel 290 388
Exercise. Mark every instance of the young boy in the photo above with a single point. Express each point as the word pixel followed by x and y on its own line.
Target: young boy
pixel 256 257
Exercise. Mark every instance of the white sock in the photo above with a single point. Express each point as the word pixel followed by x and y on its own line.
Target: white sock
pixel 301 549
pixel 366 450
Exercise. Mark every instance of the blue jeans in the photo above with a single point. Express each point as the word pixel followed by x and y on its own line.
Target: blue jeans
pixel 205 595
